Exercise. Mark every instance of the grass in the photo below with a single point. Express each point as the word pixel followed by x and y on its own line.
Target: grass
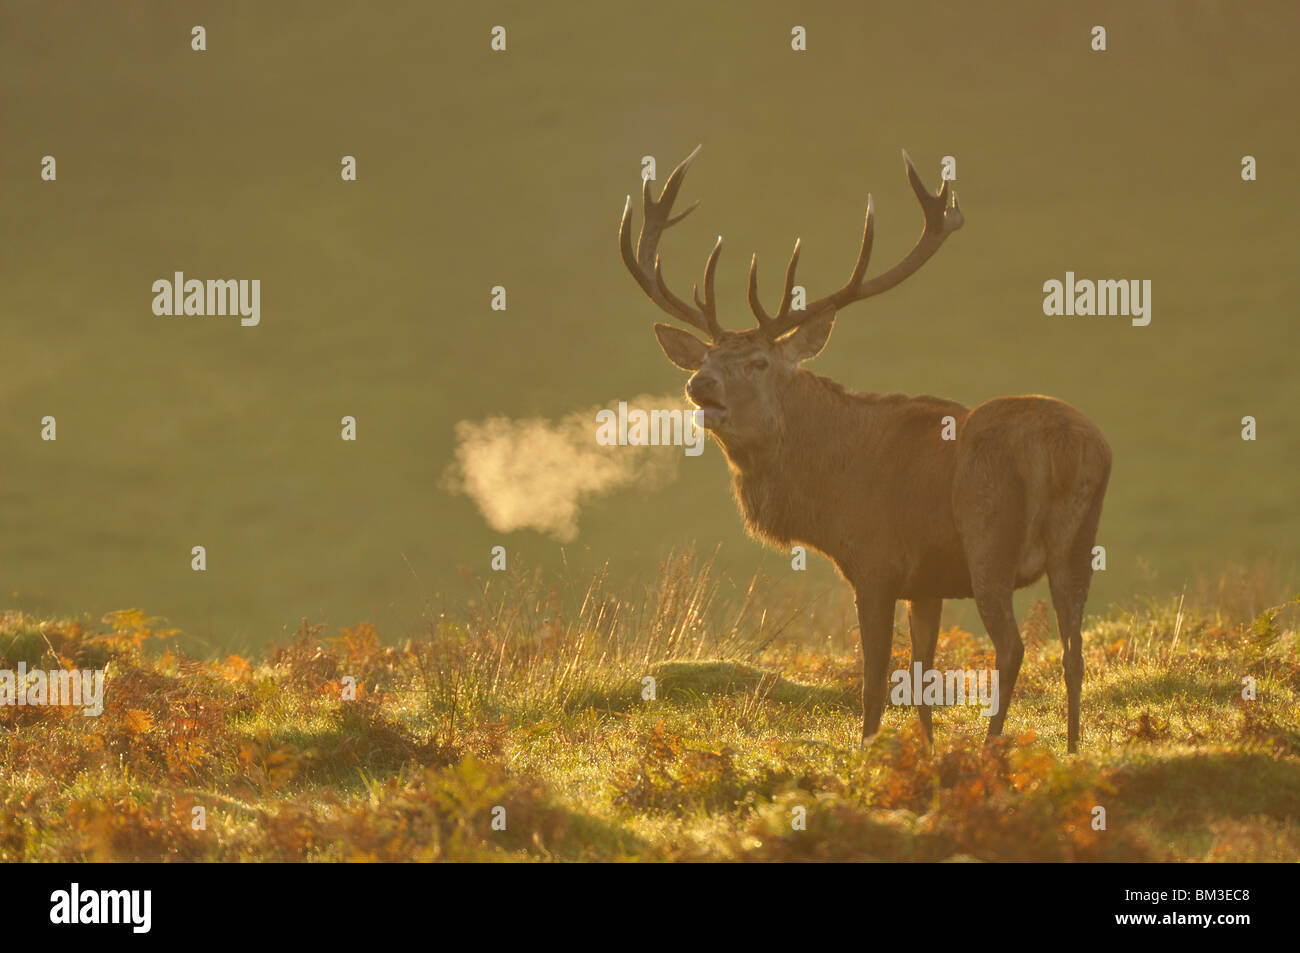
pixel 544 722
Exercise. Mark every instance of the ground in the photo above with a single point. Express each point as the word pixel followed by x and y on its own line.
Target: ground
pixel 520 728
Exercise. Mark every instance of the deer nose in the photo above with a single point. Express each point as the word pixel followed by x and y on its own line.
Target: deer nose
pixel 702 387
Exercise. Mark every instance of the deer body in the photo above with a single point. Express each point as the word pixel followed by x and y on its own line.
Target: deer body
pixel 883 486
pixel 873 483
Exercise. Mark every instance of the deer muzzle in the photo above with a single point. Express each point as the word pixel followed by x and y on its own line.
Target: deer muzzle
pixel 705 391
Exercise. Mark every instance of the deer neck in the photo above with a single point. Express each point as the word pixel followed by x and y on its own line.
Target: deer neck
pixel 791 487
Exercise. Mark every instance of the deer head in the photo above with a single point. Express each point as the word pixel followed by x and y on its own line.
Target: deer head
pixel 741 377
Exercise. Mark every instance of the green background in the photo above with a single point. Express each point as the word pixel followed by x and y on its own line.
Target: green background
pixel 477 169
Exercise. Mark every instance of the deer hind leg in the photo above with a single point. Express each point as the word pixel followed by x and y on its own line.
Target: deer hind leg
pixel 994 602
pixel 923 625
pixel 1069 574
pixel 992 526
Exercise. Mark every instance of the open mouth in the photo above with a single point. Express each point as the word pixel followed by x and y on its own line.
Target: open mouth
pixel 710 413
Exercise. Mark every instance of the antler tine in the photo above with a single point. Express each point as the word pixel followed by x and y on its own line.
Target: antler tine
pixel 764 319
pixel 709 306
pixel 934 206
pixel 864 252
pixel 644 263
pixel 941 220
pixel 674 185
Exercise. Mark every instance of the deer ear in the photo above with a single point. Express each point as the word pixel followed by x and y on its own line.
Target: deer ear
pixel 683 348
pixel 807 340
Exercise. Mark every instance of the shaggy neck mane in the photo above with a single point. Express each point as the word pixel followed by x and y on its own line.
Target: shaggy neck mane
pixel 791 487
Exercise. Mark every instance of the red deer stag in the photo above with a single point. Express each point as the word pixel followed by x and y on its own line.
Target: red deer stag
pixel 869 481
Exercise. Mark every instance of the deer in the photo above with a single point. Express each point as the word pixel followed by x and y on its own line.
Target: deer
pixel 904 511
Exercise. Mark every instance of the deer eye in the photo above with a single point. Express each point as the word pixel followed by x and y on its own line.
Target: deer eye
pixel 757 364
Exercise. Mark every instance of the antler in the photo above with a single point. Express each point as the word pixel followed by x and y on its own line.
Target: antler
pixel 941 219
pixel 644 264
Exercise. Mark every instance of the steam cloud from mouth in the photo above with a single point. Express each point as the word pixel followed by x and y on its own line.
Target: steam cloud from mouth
pixel 536 473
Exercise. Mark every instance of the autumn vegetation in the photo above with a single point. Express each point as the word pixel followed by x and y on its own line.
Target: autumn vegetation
pixel 530 698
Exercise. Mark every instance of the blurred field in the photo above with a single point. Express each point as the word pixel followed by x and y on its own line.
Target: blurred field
pixel 477 170
pixel 530 700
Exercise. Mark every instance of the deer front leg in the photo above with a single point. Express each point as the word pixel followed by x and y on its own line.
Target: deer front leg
pixel 876 624
pixel 923 623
